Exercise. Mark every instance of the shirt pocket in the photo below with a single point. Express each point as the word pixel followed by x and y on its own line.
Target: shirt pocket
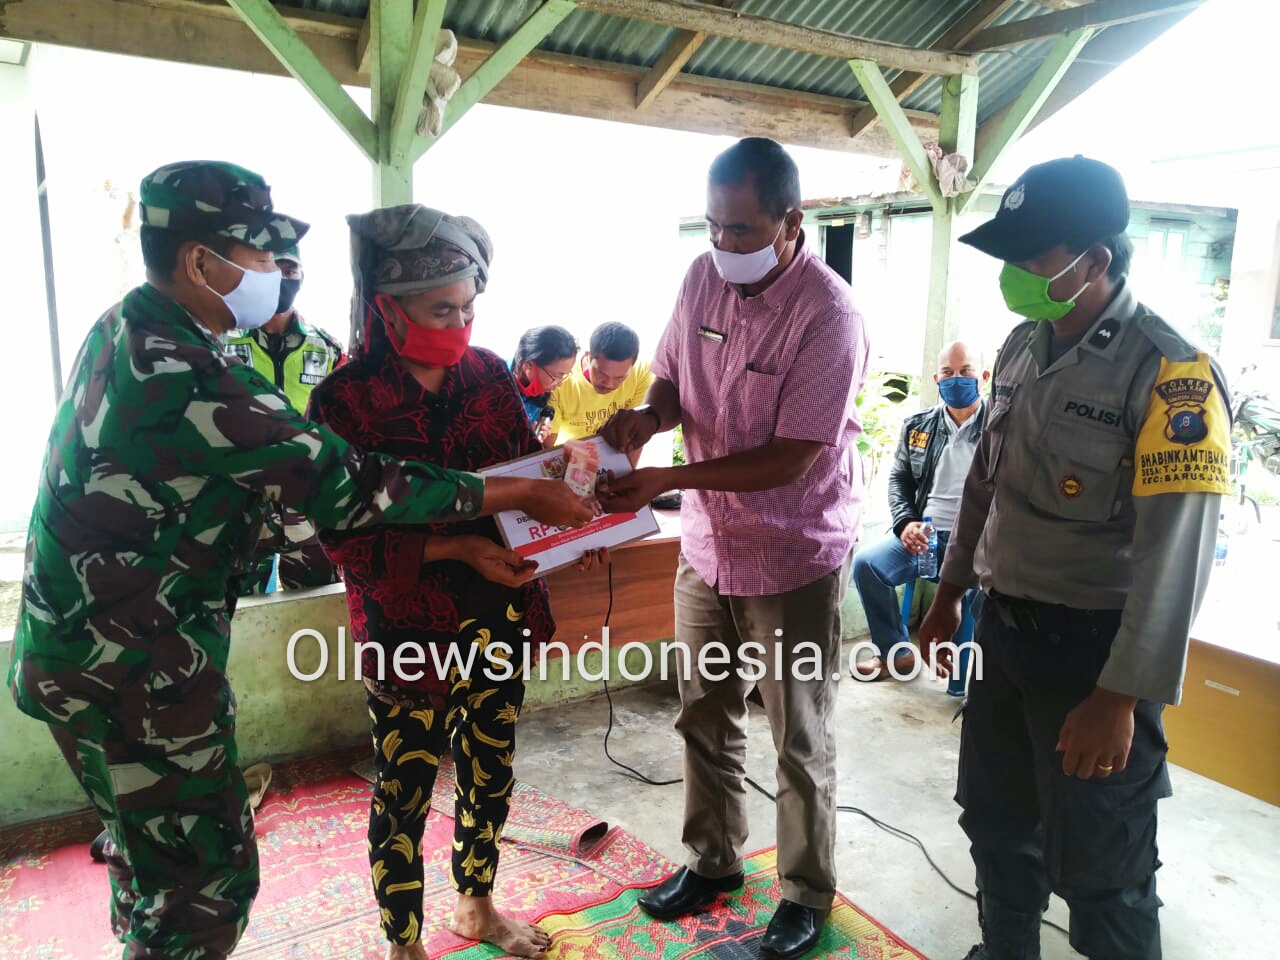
pixel 759 417
pixel 994 432
pixel 1081 472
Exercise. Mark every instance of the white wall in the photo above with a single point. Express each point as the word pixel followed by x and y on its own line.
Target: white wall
pixel 1255 276
pixel 26 378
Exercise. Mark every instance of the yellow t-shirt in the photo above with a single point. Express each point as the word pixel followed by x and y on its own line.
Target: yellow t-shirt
pixel 581 412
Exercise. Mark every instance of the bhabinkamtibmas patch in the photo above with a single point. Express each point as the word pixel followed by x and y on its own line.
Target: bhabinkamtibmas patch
pixel 1184 445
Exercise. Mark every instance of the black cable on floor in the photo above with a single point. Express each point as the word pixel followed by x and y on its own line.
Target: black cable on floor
pixel 631 772
pixel 899 833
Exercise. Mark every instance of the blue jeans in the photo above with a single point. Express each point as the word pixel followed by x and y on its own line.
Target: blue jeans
pixel 878 570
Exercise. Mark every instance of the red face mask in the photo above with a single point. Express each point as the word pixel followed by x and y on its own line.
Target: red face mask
pixel 532 389
pixel 433 347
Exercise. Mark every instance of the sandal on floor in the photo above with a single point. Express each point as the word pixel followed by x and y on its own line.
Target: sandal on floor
pixel 257 778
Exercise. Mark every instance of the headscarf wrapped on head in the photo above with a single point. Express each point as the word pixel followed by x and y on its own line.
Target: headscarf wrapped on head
pixel 406 250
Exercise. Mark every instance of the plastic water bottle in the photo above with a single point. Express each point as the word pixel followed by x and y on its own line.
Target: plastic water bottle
pixel 928 560
pixel 1220 548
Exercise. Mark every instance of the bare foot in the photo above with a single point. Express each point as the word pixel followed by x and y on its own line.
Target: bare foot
pixel 415 952
pixel 475 919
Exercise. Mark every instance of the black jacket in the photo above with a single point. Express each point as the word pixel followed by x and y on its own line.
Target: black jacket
pixel 924 437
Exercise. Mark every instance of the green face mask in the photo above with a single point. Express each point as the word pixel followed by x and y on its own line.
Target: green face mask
pixel 1027 293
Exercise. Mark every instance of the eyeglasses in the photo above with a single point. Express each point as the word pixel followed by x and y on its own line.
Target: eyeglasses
pixel 548 379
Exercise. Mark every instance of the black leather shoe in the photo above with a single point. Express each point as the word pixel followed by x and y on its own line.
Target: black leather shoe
pixel 685 891
pixel 793 931
pixel 98 849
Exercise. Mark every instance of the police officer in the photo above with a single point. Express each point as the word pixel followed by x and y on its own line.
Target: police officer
pixel 161 460
pixel 286 350
pixel 295 356
pixel 1088 520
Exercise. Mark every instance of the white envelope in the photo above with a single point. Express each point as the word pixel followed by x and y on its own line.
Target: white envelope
pixel 555 547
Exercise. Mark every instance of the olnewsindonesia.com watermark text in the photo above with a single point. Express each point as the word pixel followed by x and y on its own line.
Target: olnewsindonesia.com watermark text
pixel 635 661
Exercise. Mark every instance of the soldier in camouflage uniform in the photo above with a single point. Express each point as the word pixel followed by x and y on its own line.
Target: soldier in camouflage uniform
pixel 161 461
pixel 295 356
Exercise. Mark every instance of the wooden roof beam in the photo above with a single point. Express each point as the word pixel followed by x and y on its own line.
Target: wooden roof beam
pixel 212 34
pixel 668 66
pixel 1004 129
pixel 299 59
pixel 1100 13
pixel 413 79
pixel 961 32
pixel 495 68
pixel 873 84
pixel 699 17
pixel 1106 51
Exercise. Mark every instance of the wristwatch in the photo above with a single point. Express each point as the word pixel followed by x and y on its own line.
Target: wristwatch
pixel 648 408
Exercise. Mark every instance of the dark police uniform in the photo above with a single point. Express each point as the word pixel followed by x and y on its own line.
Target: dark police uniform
pixel 1088 520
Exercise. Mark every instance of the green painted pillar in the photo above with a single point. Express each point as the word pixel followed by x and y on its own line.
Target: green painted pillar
pixel 956 133
pixel 390 37
pixel 940 323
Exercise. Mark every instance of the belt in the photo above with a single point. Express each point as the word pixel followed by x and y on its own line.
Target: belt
pixel 1052 622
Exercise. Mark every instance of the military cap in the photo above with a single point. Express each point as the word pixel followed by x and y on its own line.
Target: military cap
pixel 222 199
pixel 1074 200
pixel 289 253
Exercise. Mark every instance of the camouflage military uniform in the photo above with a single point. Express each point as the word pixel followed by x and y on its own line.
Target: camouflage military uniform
pixel 296 360
pixel 162 458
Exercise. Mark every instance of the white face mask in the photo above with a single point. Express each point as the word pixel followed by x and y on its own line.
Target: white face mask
pixel 254 300
pixel 747 268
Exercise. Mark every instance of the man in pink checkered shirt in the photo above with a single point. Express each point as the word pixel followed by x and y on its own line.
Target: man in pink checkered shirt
pixel 761 364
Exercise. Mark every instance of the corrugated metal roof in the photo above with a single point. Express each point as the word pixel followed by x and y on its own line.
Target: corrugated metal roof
pixel 914 23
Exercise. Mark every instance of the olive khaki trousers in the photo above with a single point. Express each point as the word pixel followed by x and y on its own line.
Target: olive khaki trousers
pixel 793 639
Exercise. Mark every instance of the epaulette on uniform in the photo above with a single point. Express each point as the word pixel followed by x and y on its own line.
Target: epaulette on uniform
pixel 329 339
pixel 1019 334
pixel 1166 338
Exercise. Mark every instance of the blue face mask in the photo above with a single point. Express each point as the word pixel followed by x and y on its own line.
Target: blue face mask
pixel 959 392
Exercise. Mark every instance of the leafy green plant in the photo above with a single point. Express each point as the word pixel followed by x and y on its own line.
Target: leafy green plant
pixel 677 446
pixel 881 410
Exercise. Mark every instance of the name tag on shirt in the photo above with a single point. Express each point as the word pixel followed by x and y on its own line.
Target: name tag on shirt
pixel 713 335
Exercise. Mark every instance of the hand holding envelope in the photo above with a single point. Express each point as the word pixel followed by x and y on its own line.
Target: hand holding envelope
pixel 553 547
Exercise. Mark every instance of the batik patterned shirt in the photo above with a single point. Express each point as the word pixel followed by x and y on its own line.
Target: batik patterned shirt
pixel 475 420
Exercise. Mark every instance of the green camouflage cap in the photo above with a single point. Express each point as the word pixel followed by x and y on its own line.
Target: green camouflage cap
pixel 221 198
pixel 289 253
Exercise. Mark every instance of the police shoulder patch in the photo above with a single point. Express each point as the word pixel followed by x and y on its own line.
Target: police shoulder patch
pixel 1184 445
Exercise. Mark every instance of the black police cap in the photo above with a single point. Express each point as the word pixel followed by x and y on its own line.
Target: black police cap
pixel 1074 200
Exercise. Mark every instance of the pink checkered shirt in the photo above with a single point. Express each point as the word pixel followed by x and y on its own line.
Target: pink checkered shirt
pixel 787 363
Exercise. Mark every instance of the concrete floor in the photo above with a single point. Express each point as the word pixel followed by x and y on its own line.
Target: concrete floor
pixel 898 751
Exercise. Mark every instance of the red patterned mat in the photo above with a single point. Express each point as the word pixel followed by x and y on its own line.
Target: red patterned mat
pixel 535 820
pixel 316 902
